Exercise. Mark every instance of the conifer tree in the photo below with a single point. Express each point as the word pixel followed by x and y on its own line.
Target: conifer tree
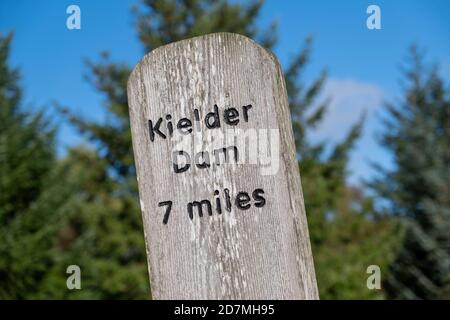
pixel 417 134
pixel 160 22
pixel 26 160
pixel 83 209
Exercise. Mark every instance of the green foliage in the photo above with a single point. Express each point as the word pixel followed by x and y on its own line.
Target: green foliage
pixel 26 159
pixel 161 22
pixel 98 234
pixel 418 188
pixel 345 235
pixel 57 213
pixel 83 209
pixel 352 239
pixel 111 201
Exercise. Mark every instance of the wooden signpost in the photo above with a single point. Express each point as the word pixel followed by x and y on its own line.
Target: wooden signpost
pixel 218 179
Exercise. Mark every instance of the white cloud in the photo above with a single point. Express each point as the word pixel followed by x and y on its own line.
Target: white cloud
pixel 349 99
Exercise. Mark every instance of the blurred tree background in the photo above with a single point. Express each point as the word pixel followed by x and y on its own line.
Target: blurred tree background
pixel 83 209
pixel 418 190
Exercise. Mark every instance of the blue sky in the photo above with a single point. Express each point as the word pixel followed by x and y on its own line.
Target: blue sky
pixel 363 64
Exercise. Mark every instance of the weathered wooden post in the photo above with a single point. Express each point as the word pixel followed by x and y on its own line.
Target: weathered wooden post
pixel 219 185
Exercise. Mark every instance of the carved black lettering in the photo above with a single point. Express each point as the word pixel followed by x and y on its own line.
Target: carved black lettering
pixel 231 116
pixel 176 164
pixel 227 200
pixel 155 129
pixel 202 164
pixel 199 206
pixel 245 111
pixel 169 124
pixel 218 202
pixel 242 201
pixel 168 209
pixel 260 201
pixel 196 115
pixel 185 126
pixel 215 116
pixel 224 151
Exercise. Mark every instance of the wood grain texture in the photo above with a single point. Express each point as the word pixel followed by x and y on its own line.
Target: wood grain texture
pixel 259 253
